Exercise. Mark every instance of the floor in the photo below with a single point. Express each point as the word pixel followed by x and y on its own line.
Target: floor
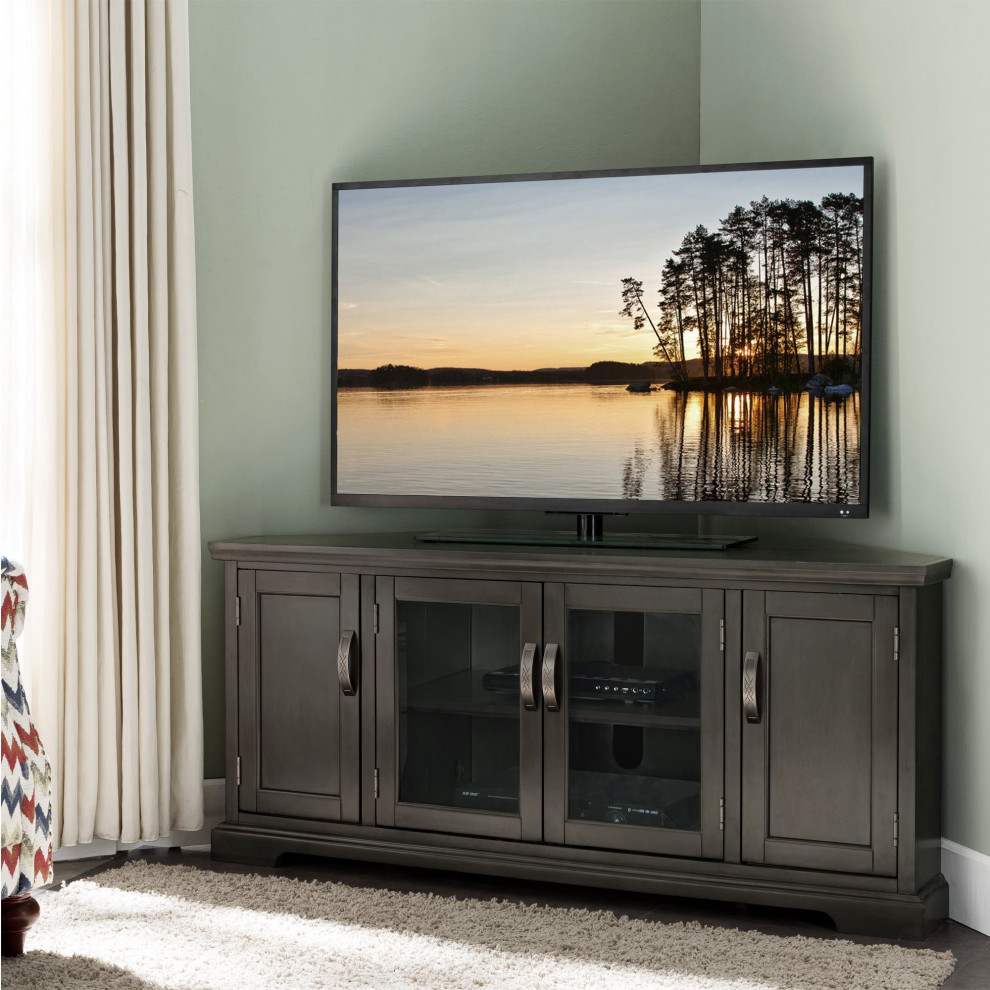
pixel 971 949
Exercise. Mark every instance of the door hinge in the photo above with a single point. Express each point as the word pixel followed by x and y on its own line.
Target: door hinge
pixel 237 610
pixel 376 784
pixel 238 771
pixel 897 643
pixel 721 814
pixel 376 628
pixel 721 635
pixel 895 829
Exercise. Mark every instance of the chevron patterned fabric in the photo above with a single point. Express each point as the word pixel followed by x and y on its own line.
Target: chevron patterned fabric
pixel 26 809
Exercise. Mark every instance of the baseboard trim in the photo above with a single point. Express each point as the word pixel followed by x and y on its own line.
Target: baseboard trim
pixel 968 874
pixel 213 813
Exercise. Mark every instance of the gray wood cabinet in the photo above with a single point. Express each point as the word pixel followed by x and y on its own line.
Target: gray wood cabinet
pixel 756 725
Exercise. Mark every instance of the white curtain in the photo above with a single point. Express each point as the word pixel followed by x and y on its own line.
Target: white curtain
pixel 109 503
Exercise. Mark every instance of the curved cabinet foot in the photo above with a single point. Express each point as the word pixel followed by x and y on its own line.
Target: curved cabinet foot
pixel 19 913
pixel 232 846
pixel 910 916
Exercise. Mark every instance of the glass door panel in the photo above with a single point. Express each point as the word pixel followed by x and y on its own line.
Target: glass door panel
pixel 634 733
pixel 453 722
pixel 642 676
pixel 458 705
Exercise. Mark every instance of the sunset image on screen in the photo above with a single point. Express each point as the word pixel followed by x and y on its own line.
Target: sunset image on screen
pixel 693 336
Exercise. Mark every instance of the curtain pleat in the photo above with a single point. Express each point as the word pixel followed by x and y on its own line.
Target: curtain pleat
pixel 128 752
pixel 158 363
pixel 83 634
pixel 73 757
pixel 124 378
pixel 107 816
pixel 182 396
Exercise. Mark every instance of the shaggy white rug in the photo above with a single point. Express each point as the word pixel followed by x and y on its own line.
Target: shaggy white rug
pixel 150 926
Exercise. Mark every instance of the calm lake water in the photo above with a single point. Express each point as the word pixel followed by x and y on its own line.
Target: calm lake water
pixel 597 442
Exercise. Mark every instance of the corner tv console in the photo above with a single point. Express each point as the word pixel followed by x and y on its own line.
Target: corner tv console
pixel 755 725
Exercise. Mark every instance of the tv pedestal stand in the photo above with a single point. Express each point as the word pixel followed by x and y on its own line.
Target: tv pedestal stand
pixel 589 531
pixel 590 527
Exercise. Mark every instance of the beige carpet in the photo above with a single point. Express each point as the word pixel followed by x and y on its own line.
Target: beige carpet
pixel 147 925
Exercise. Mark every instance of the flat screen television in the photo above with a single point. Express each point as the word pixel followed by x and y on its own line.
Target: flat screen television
pixel 669 340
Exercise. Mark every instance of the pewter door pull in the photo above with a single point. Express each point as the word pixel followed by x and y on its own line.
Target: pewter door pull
pixel 750 687
pixel 550 678
pixel 345 663
pixel 526 687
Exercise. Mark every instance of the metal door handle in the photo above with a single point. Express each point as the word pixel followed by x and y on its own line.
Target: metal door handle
pixel 750 687
pixel 527 663
pixel 550 677
pixel 346 673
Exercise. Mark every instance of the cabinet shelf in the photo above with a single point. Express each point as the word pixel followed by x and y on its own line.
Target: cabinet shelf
pixel 461 694
pixel 608 714
pixel 681 713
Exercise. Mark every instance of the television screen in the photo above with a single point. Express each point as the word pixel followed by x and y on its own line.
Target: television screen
pixel 691 340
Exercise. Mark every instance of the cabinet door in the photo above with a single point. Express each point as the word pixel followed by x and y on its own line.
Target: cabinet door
pixel 818 689
pixel 458 713
pixel 633 681
pixel 299 716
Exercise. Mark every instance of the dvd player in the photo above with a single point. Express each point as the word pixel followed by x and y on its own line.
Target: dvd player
pixel 601 681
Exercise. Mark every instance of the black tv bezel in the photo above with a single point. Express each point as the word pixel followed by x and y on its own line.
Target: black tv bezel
pixel 828 510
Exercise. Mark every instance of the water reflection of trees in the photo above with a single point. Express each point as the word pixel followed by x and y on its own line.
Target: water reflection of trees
pixel 748 447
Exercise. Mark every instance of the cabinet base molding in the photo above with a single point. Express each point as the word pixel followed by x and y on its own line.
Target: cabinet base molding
pixel 853 911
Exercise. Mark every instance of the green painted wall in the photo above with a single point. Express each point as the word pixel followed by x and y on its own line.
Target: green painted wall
pixel 907 82
pixel 288 97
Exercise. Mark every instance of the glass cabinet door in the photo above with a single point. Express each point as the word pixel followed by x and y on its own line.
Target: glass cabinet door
pixel 635 676
pixel 458 706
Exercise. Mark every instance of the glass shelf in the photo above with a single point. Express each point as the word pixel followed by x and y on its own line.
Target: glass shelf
pixel 463 694
pixel 600 715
